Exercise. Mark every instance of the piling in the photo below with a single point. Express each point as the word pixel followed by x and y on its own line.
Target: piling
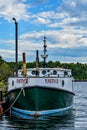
pixel 1 101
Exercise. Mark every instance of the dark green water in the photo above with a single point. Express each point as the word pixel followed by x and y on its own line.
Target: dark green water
pixel 77 120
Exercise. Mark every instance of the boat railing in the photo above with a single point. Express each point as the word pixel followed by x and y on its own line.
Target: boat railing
pixel 46 73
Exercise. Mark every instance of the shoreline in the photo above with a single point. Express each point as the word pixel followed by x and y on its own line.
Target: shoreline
pixel 77 80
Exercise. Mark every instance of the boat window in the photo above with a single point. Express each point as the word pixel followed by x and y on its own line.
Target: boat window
pixel 44 72
pixel 65 73
pixel 48 70
pixel 33 72
pixel 55 72
pixel 62 83
pixel 12 83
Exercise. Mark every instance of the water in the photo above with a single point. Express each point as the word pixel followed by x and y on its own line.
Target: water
pixel 77 120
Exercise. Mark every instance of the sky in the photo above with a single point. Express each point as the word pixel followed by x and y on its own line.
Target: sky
pixel 63 22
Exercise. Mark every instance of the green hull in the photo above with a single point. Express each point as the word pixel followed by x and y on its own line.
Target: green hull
pixel 40 98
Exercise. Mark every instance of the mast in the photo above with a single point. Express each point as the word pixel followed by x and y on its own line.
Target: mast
pixel 16 46
pixel 37 63
pixel 37 59
pixel 44 56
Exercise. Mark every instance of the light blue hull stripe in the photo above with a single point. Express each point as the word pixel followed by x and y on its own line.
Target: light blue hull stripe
pixel 58 112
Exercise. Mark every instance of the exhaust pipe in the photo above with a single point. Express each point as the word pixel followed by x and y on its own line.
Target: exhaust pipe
pixel 24 65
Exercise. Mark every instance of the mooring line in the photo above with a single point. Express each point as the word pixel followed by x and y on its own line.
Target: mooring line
pixel 22 89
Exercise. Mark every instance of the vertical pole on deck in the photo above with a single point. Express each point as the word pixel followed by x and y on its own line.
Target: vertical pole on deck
pixel 16 46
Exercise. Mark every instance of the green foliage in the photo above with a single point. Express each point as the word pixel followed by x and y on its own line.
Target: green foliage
pixel 11 66
pixel 1 60
pixel 50 64
pixel 20 64
pixel 2 85
pixel 5 72
pixel 31 64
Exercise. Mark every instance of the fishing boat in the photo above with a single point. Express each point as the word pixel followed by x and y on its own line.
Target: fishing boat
pixel 42 91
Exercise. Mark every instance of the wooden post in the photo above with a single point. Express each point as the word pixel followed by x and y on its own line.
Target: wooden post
pixel 24 65
pixel 1 99
pixel 1 96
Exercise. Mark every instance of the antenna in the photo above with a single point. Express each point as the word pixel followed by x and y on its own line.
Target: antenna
pixel 45 29
pixel 44 56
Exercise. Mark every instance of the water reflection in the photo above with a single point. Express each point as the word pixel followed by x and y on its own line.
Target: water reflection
pixel 49 123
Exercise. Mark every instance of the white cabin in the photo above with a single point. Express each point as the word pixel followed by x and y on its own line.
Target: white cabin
pixel 46 72
pixel 47 77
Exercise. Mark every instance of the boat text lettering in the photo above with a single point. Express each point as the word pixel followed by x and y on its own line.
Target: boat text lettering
pixel 22 80
pixel 49 81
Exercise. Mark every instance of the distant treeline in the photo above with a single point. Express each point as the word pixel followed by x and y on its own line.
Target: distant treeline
pixel 79 71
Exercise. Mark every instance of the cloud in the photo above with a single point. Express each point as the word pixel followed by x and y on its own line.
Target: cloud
pixel 7 54
pixel 65 27
pixel 59 43
pixel 41 20
pixel 48 17
pixel 76 12
pixel 13 8
pixel 66 38
pixel 32 35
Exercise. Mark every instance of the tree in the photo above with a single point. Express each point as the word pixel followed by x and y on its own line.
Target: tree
pixel 50 64
pixel 5 72
pixel 2 85
pixel 1 60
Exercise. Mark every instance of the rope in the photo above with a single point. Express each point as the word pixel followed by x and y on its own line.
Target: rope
pixel 22 89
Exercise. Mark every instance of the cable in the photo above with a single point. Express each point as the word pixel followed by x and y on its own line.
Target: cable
pixel 22 89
